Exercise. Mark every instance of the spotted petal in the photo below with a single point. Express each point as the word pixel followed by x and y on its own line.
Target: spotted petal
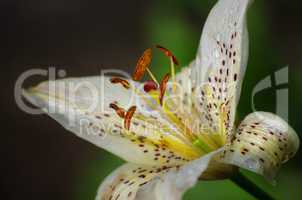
pixel 209 88
pixel 139 182
pixel 262 143
pixel 221 61
pixel 82 105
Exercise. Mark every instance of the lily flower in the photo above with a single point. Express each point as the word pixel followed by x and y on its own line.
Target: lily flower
pixel 175 132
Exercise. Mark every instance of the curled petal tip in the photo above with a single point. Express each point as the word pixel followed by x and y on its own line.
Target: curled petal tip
pixel 262 143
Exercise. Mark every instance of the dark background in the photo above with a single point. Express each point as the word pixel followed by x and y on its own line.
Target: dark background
pixel 40 160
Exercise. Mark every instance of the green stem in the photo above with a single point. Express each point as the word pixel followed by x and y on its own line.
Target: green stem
pixel 250 187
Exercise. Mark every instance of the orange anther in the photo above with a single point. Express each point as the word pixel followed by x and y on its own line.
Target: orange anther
pixel 129 116
pixel 119 111
pixel 124 82
pixel 168 53
pixel 162 87
pixel 142 64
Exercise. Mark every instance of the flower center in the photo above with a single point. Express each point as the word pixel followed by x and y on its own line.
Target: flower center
pixel 155 95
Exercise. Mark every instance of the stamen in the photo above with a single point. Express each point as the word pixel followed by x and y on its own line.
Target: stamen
pixel 168 53
pixel 162 87
pixel 173 61
pixel 129 116
pixel 142 65
pixel 150 85
pixel 119 111
pixel 127 85
pixel 152 76
pixel 116 80
pixel 173 73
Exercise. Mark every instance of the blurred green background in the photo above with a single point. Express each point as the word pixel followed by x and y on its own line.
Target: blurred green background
pixel 41 159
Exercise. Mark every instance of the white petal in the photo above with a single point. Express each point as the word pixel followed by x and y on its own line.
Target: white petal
pixel 226 25
pixel 262 143
pixel 81 105
pixel 166 184
pixel 173 184
pixel 220 64
pixel 125 181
